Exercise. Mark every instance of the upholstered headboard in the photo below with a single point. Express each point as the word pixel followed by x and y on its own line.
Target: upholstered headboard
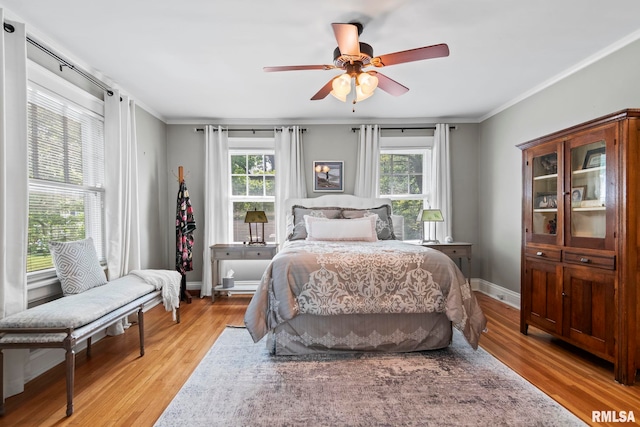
pixel 348 201
pixel 338 200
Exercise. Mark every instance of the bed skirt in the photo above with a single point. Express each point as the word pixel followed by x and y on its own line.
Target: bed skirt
pixel 306 333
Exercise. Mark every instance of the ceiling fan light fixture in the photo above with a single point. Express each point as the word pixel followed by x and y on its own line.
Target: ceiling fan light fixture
pixel 341 87
pixel 367 83
pixel 338 96
pixel 361 95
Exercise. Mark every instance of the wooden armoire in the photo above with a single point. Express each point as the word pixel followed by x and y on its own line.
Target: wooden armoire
pixel 580 238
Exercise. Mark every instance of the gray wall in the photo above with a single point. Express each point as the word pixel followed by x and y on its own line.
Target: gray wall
pixel 606 86
pixel 321 142
pixel 151 135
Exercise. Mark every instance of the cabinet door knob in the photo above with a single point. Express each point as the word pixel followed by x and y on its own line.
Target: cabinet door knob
pixel 258 253
pixel 539 253
pixel 584 260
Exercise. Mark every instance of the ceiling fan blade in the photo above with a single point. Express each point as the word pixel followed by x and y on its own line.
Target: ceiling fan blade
pixel 347 38
pixel 389 85
pixel 322 93
pixel 298 68
pixel 418 54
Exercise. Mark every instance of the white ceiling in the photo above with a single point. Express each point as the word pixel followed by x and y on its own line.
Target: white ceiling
pixel 191 60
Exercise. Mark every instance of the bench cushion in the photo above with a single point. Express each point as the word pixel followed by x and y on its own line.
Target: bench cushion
pixel 80 309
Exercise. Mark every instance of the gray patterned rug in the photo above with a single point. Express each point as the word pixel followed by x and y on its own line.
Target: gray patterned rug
pixel 239 384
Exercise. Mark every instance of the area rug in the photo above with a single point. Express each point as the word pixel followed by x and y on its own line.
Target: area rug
pixel 239 384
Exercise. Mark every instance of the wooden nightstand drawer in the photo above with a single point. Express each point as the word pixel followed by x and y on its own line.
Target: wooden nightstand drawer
pixel 222 254
pixel 455 251
pixel 258 253
pixel 592 260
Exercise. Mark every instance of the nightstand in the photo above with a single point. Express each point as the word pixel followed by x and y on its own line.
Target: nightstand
pixel 237 251
pixel 456 251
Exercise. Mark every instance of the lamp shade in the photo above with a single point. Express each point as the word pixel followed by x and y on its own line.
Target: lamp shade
pixel 434 215
pixel 256 217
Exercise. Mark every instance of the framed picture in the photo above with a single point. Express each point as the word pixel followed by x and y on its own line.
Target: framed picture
pixel 577 193
pixel 546 201
pixel 328 176
pixel 594 158
pixel 549 163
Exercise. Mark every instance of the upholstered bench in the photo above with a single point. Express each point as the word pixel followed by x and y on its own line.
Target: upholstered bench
pixel 69 320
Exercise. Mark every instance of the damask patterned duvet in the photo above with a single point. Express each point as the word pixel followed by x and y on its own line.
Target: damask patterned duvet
pixel 345 278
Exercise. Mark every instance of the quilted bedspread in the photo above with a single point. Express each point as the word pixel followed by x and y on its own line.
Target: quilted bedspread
pixel 329 278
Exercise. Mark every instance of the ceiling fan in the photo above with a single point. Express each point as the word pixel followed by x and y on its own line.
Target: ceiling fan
pixel 353 56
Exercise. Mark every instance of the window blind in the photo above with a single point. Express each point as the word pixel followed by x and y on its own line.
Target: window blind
pixel 66 175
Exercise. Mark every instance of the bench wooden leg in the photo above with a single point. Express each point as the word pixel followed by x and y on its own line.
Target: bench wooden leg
pixel 141 330
pixel 71 368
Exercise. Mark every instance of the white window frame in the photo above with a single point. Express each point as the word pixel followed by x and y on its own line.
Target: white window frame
pixel 410 145
pixel 248 146
pixel 46 81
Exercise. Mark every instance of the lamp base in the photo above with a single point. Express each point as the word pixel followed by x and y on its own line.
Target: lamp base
pixel 422 242
pixel 257 243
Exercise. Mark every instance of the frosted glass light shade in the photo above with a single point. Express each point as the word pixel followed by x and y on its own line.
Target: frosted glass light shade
pixel 367 82
pixel 341 87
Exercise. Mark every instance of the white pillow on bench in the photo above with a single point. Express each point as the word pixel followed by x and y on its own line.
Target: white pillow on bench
pixel 77 266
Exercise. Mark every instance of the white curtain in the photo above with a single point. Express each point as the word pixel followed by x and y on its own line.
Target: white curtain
pixel 216 198
pixel 14 185
pixel 440 195
pixel 290 174
pixel 122 204
pixel 368 162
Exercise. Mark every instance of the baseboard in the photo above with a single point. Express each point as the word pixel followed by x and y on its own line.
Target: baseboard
pixel 505 295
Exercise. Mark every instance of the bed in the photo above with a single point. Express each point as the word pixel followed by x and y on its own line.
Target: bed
pixel 342 282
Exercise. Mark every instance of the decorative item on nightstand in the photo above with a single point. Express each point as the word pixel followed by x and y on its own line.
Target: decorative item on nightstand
pixel 256 217
pixel 429 215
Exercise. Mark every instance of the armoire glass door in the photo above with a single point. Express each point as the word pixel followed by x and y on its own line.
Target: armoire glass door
pixel 545 195
pixel 589 190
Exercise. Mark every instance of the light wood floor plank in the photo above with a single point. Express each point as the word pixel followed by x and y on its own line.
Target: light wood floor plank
pixel 116 387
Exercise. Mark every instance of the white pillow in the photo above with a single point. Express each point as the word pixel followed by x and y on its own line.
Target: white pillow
pixel 77 266
pixel 357 229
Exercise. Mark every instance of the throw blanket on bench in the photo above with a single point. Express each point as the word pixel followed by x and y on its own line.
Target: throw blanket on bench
pixel 168 281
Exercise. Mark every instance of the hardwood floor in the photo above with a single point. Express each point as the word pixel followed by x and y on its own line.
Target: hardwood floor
pixel 117 387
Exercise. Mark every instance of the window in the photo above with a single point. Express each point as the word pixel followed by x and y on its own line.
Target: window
pixel 252 187
pixel 66 171
pixel 405 179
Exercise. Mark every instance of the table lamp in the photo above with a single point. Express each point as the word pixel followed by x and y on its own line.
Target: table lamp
pixel 429 215
pixel 256 217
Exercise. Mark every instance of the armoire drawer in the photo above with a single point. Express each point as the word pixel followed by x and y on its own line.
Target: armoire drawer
pixel 600 261
pixel 543 253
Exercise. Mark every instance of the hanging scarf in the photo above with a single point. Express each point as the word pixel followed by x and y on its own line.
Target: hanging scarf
pixel 185 224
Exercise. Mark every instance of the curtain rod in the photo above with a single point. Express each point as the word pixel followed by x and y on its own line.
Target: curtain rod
pixel 249 130
pixel 63 62
pixel 402 129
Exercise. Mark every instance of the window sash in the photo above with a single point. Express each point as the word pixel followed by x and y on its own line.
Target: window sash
pixel 408 204
pixel 66 169
pixel 262 200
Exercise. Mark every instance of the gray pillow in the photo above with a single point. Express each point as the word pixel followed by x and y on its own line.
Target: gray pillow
pixel 77 266
pixel 299 231
pixel 384 225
